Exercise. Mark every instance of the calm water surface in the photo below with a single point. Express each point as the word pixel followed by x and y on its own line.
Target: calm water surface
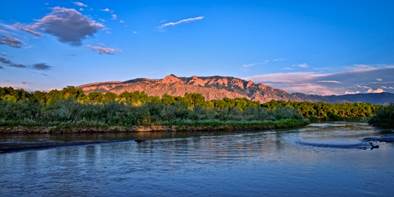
pixel 306 162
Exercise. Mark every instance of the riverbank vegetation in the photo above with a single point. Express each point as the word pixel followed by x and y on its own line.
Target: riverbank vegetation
pixel 319 111
pixel 71 108
pixel 384 118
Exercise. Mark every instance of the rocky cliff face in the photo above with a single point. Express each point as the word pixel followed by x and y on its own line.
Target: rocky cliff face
pixel 212 87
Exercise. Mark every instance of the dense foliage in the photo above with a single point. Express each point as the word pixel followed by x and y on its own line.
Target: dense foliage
pixel 384 118
pixel 71 106
pixel 318 111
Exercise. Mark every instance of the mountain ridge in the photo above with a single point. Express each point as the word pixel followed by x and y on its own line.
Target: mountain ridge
pixel 219 87
pixel 211 87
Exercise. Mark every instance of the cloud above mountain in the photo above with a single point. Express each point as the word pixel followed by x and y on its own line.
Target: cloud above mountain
pixel 359 79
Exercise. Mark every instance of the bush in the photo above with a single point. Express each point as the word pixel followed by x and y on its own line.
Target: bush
pixel 384 118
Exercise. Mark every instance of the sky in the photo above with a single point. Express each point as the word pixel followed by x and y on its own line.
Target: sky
pixel 314 47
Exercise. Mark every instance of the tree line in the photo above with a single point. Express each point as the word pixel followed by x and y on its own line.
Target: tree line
pixel 71 106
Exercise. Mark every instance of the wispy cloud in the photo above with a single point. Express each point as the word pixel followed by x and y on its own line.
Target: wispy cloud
pixel 264 62
pixel 114 16
pixel 10 41
pixel 102 50
pixel 362 68
pixel 107 10
pixel 26 28
pixel 329 81
pixel 356 79
pixel 80 4
pixel 181 21
pixel 7 62
pixel 303 65
pixel 249 65
pixel 287 77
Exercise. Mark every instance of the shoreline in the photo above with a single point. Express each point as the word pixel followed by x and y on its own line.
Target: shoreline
pixel 21 145
pixel 167 127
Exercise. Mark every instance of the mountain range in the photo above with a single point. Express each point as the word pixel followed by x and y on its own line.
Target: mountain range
pixel 219 87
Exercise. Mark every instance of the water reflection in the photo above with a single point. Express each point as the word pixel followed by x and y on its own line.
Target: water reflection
pixel 201 164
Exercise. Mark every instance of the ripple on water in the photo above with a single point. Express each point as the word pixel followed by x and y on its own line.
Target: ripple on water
pixel 221 164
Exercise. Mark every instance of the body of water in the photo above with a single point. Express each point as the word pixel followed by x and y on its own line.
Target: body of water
pixel 328 159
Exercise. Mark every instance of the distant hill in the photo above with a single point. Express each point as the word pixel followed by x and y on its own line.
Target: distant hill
pixel 376 98
pixel 219 87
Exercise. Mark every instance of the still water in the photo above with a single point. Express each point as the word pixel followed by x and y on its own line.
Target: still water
pixel 329 159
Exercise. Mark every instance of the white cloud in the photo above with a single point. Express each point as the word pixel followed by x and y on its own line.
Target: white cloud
pixel 311 88
pixel 102 50
pixel 362 68
pixel 107 10
pixel 352 92
pixel 114 16
pixel 267 61
pixel 248 65
pixel 286 77
pixel 80 4
pixel 362 79
pixel 329 81
pixel 295 82
pixel 378 90
pixel 182 21
pixel 363 87
pixel 303 65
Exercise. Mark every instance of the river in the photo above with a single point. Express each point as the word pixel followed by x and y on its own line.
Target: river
pixel 325 159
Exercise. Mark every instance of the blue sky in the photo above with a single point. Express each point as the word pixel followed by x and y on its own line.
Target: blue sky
pixel 287 44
